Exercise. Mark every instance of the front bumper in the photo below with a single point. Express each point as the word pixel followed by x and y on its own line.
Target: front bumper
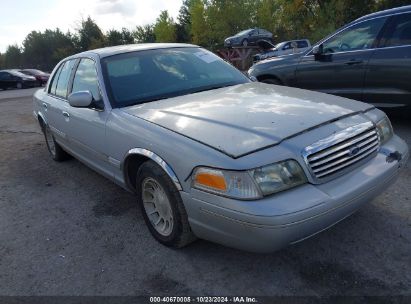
pixel 291 216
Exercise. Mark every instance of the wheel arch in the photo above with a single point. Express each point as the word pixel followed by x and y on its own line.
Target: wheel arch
pixel 42 120
pixel 136 157
pixel 269 76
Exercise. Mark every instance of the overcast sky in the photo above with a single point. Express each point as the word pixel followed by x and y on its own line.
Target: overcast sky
pixel 20 17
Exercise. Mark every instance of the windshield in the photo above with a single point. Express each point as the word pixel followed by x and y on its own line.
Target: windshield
pixel 34 72
pixel 143 76
pixel 243 32
pixel 17 73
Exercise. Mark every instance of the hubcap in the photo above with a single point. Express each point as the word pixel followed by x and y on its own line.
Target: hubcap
pixel 157 206
pixel 50 141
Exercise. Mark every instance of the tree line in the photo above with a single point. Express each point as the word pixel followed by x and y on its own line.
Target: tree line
pixel 202 22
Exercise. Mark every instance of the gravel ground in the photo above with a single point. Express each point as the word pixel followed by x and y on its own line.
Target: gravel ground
pixel 65 230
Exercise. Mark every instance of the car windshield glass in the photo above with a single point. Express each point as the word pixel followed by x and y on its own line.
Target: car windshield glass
pixel 16 73
pixel 242 32
pixel 143 76
pixel 35 72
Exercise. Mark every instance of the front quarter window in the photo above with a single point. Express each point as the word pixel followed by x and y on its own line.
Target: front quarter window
pixel 357 37
pixel 85 78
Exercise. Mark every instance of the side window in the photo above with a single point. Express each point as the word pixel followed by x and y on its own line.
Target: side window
pixel 6 76
pixel 85 78
pixel 2 76
pixel 287 46
pixel 399 31
pixel 358 37
pixel 64 77
pixel 53 84
pixel 302 44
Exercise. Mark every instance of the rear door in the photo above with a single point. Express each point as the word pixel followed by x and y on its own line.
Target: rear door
pixel 55 103
pixel 3 82
pixel 388 75
pixel 341 70
pixel 7 80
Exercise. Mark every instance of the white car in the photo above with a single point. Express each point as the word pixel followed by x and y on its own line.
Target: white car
pixel 211 154
pixel 282 48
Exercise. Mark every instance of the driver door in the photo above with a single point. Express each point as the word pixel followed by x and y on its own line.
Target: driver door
pixel 340 70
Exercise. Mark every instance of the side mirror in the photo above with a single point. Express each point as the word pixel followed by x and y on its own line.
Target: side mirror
pixel 81 99
pixel 318 52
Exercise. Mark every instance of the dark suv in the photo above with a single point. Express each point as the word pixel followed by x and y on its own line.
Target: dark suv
pixel 369 60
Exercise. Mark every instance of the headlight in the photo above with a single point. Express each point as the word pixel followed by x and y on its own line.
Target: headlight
pixel 235 184
pixel 384 129
pixel 251 184
pixel 278 177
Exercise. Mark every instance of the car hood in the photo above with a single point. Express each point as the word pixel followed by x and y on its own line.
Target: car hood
pixel 232 37
pixel 244 118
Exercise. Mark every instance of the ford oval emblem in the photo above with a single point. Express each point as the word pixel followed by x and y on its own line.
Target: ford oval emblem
pixel 354 150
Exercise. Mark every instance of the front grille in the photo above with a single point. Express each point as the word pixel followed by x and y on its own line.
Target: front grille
pixel 334 154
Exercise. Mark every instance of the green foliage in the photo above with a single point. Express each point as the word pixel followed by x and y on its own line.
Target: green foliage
pixel 165 28
pixel 144 34
pixel 227 17
pixel 386 4
pixel 13 57
pixel 183 26
pixel 44 50
pixel 90 35
pixel 199 31
pixel 114 37
pixel 203 22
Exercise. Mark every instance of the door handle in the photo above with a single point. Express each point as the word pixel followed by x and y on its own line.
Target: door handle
pixel 353 62
pixel 45 105
pixel 66 114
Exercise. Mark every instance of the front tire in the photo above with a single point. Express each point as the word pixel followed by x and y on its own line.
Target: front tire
pixel 162 207
pixel 56 151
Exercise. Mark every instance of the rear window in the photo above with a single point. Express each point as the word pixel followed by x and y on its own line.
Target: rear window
pixel 399 32
pixel 61 77
pixel 64 77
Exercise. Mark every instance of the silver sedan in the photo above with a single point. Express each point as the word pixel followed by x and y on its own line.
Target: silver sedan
pixel 211 154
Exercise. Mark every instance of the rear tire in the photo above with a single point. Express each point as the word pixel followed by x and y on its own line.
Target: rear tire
pixel 162 207
pixel 56 151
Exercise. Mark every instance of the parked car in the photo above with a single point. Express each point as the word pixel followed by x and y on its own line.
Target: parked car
pixel 211 154
pixel 282 48
pixel 248 37
pixel 367 60
pixel 15 79
pixel 41 76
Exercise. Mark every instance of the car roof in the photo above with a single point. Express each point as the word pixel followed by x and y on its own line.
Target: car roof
pixel 119 49
pixel 388 12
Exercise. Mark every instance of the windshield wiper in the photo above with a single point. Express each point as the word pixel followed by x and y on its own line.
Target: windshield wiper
pixel 212 88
